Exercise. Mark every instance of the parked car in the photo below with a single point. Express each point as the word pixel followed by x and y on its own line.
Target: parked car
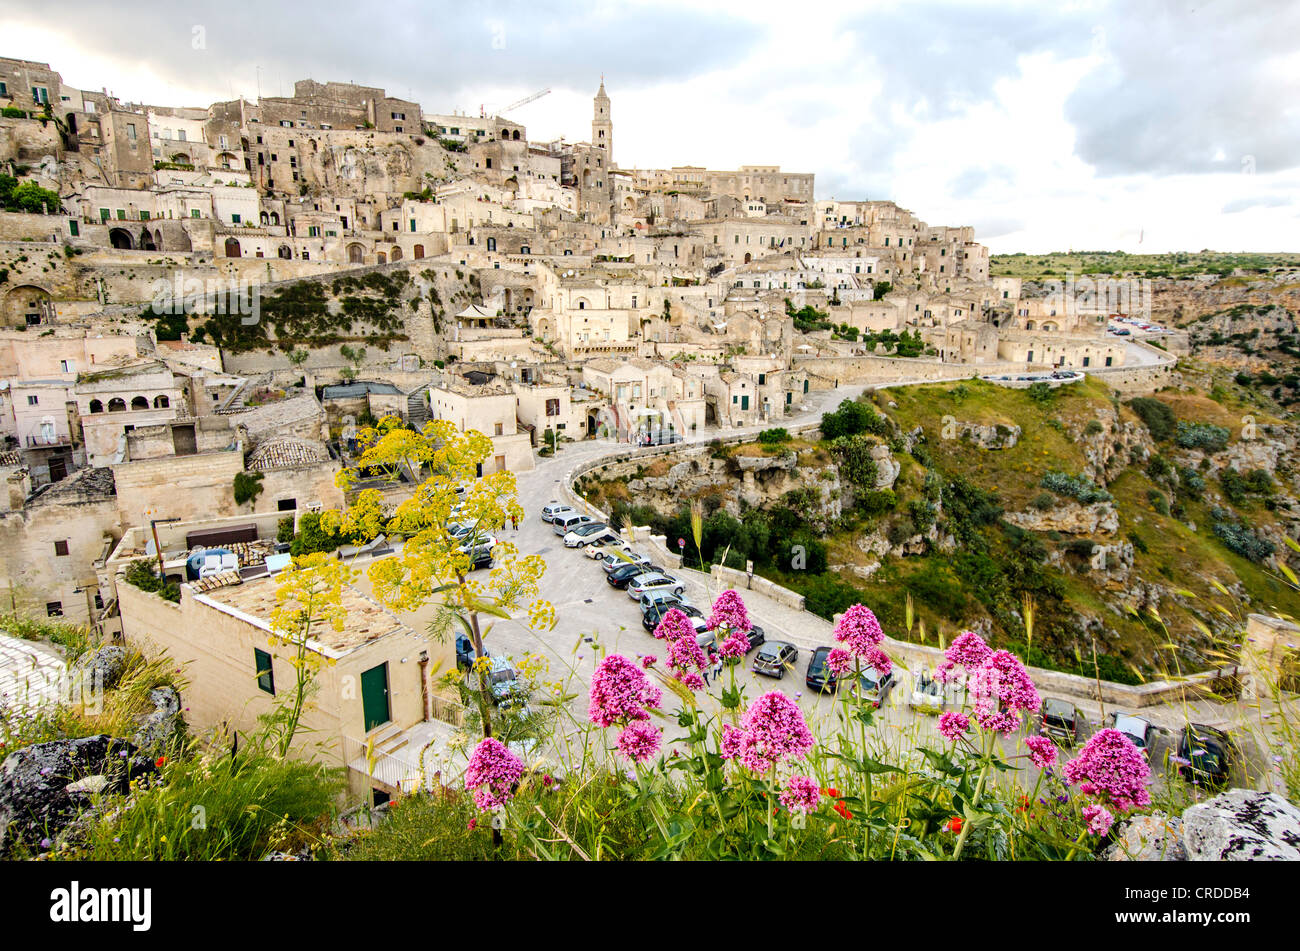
pixel 1206 756
pixel 1137 729
pixel 873 688
pixel 774 657
pixel 703 636
pixel 563 524
pixel 654 613
pixel 464 651
pixel 553 509
pixel 622 557
pixel 756 636
pixel 927 693
pixel 504 684
pixel 480 556
pixel 603 543
pixel 623 575
pixel 1059 721
pixel 654 581
pixel 474 542
pixel 820 677
pixel 662 596
pixel 582 533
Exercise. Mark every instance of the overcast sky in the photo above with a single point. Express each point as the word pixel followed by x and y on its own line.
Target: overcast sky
pixel 1148 126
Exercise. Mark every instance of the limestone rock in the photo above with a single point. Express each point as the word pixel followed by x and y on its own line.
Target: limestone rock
pixel 104 667
pixel 1153 838
pixel 1243 825
pixel 994 436
pixel 1070 518
pixel 163 723
pixel 887 467
pixel 37 794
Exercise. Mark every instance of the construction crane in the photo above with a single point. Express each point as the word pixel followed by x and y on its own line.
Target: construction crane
pixel 515 105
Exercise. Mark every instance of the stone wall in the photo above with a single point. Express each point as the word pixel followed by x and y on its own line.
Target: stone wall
pixel 846 370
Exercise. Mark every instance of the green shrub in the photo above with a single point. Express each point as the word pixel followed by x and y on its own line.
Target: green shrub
pixel 312 537
pixel 284 529
pixel 1204 436
pixel 1044 501
pixel 140 574
pixel 1094 426
pixel 774 437
pixel 1241 540
pixel 1076 487
pixel 1157 416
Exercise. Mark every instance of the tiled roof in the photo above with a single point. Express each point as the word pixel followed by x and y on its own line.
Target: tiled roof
pixel 286 454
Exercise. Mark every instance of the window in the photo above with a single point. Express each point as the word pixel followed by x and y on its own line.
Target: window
pixel 130 132
pixel 61 547
pixel 72 228
pixel 498 429
pixel 54 609
pixel 235 219
pixel 265 671
pixel 32 400
pixel 67 366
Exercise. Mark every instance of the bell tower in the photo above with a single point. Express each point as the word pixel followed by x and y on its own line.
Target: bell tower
pixel 602 126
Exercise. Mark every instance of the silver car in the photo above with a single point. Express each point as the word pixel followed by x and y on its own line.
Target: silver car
pixel 654 582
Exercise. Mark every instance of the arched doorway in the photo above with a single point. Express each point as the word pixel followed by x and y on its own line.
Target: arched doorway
pixel 357 253
pixel 285 252
pixel 397 254
pixel 381 258
pixel 121 239
pixel 232 248
pixel 418 251
pixel 117 405
pixel 140 402
pixel 26 305
pixel 747 257
pixel 161 402
pixel 146 241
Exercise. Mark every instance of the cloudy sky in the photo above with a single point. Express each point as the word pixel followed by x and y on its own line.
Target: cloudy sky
pixel 1151 126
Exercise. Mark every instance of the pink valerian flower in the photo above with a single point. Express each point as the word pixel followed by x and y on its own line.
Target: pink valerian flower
pixel 1112 769
pixel 952 726
pixel 859 630
pixel 967 650
pixel 690 678
pixel 839 661
pixel 1002 690
pixel 673 626
pixel 492 773
pixel 736 645
pixel 729 612
pixel 649 660
pixel 640 741
pixel 620 693
pixel 801 794
pixel 774 731
pixel 1099 819
pixel 684 654
pixel 733 738
pixel 1042 751
pixel 875 657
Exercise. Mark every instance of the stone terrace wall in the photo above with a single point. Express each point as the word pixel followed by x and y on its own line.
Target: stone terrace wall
pixel 886 370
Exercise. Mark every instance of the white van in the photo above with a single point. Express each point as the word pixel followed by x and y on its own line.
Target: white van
pixel 567 523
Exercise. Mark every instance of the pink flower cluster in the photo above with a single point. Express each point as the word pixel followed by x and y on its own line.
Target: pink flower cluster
pixel 1099 819
pixel 1042 751
pixel 999 684
pixel 620 693
pixel 1112 769
pixel 861 633
pixel 729 612
pixel 736 645
pixel 839 661
pixel 640 741
pixel 673 626
pixel 801 794
pixel 953 726
pixel 771 731
pixel 496 770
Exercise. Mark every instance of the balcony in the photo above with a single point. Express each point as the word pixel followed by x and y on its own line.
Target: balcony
pixel 44 440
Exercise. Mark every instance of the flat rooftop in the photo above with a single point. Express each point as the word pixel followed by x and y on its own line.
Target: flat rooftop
pixel 254 600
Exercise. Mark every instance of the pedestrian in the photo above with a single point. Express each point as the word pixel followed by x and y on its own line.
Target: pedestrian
pixel 717 666
pixel 514 521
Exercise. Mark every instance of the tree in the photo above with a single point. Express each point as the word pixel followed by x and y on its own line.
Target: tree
pixel 248 486
pixel 855 462
pixel 308 597
pixel 434 565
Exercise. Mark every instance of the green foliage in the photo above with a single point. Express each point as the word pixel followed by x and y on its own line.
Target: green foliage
pixel 1044 501
pixel 313 537
pixel 774 437
pixel 1041 393
pixel 854 456
pixel 881 289
pixel 284 529
pixel 1241 540
pixel 1238 487
pixel 851 418
pixel 1076 487
pixel 140 574
pixel 1204 436
pixel 27 197
pixel 247 486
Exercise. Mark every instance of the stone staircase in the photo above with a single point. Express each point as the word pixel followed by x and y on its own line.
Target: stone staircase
pixel 417 406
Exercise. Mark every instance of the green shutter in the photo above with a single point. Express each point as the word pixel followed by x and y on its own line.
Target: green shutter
pixel 265 672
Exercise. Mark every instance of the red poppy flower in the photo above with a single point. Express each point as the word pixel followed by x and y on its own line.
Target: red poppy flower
pixel 160 761
pixel 843 810
pixel 954 824
pixel 832 792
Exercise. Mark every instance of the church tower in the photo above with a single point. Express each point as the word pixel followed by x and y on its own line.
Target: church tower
pixel 602 126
